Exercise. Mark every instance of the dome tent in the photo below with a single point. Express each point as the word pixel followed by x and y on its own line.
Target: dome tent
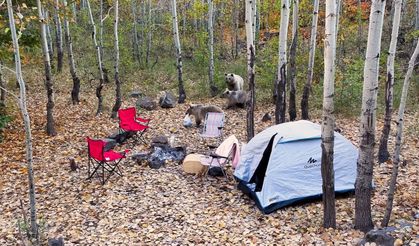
pixel 282 165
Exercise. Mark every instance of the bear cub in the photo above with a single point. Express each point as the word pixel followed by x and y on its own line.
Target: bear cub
pixel 235 98
pixel 234 82
pixel 199 112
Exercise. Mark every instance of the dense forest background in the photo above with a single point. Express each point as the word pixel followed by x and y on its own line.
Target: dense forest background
pixel 147 51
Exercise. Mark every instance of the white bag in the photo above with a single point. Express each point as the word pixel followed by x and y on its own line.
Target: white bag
pixel 187 122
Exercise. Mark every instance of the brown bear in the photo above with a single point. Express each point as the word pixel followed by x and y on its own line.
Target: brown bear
pixel 235 98
pixel 199 111
pixel 234 82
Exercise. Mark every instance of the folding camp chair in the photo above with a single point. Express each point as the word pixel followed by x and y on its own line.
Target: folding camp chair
pixel 108 161
pixel 128 122
pixel 214 124
pixel 227 153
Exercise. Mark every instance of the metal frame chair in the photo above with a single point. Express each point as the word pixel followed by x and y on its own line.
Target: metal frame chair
pixel 129 122
pixel 98 158
pixel 214 124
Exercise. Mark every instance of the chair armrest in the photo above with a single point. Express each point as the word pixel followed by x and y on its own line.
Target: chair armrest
pixel 215 155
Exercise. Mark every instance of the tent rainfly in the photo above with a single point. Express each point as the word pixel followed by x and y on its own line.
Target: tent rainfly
pixel 282 165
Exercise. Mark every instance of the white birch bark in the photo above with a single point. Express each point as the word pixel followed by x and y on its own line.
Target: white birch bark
pixel 399 137
pixel 50 127
pixel 74 11
pixel 280 82
pixel 383 154
pixel 118 97
pixel 2 86
pixel 27 123
pixel 72 64
pixel 250 49
pixel 312 53
pixel 182 94
pixel 136 50
pixel 99 60
pixel 213 89
pixel 328 123
pixel 363 184
pixel 292 111
pixel 149 32
pixel 49 37
pixel 59 37
pixel 254 17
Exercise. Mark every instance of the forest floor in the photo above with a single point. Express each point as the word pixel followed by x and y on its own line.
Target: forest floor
pixel 166 206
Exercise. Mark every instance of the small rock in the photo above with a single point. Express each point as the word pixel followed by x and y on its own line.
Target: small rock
pixel 379 237
pixel 167 100
pixel 266 117
pixel 159 140
pixel 56 242
pixel 146 103
pixel 215 171
pixel 136 94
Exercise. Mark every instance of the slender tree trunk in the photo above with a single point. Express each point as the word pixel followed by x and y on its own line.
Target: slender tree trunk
pixel 50 127
pixel 101 47
pixel 328 125
pixel 2 85
pixel 399 138
pixel 363 184
pixel 59 37
pixel 250 70
pixel 76 81
pixel 281 81
pixel 135 46
pixel 74 11
pixel 99 60
pixel 49 38
pixel 149 33
pixel 383 154
pixel 254 17
pixel 236 12
pixel 292 111
pixel 360 32
pixel 26 121
pixel 213 88
pixel 182 93
pixel 309 81
pixel 417 15
pixel 118 97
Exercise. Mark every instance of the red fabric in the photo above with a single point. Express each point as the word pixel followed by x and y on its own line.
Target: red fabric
pixel 95 148
pixel 112 155
pixel 127 120
pixel 142 120
pixel 96 151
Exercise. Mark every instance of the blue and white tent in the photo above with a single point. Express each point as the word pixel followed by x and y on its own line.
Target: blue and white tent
pixel 282 165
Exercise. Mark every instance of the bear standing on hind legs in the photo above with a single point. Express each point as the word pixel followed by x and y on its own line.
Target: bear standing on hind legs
pixel 234 82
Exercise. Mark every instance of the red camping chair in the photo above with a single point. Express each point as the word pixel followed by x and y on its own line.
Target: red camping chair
pixel 100 159
pixel 129 122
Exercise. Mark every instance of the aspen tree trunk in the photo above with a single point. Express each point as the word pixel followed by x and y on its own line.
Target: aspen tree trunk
pixel 118 97
pixel 399 138
pixel 58 37
pixel 254 16
pixel 99 60
pixel 182 93
pixel 281 81
pixel 104 70
pixel 213 88
pixel 312 54
pixel 338 10
pixel 328 124
pixel 2 85
pixel 417 15
pixel 135 46
pixel 383 154
pixel 149 33
pixel 365 168
pixel 69 43
pixel 360 32
pixel 292 111
pixel 250 70
pixel 74 10
pixel 26 121
pixel 50 127
pixel 49 38
pixel 236 12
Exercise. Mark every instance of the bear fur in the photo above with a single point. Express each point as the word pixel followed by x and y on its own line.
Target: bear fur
pixel 235 98
pixel 234 82
pixel 200 111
